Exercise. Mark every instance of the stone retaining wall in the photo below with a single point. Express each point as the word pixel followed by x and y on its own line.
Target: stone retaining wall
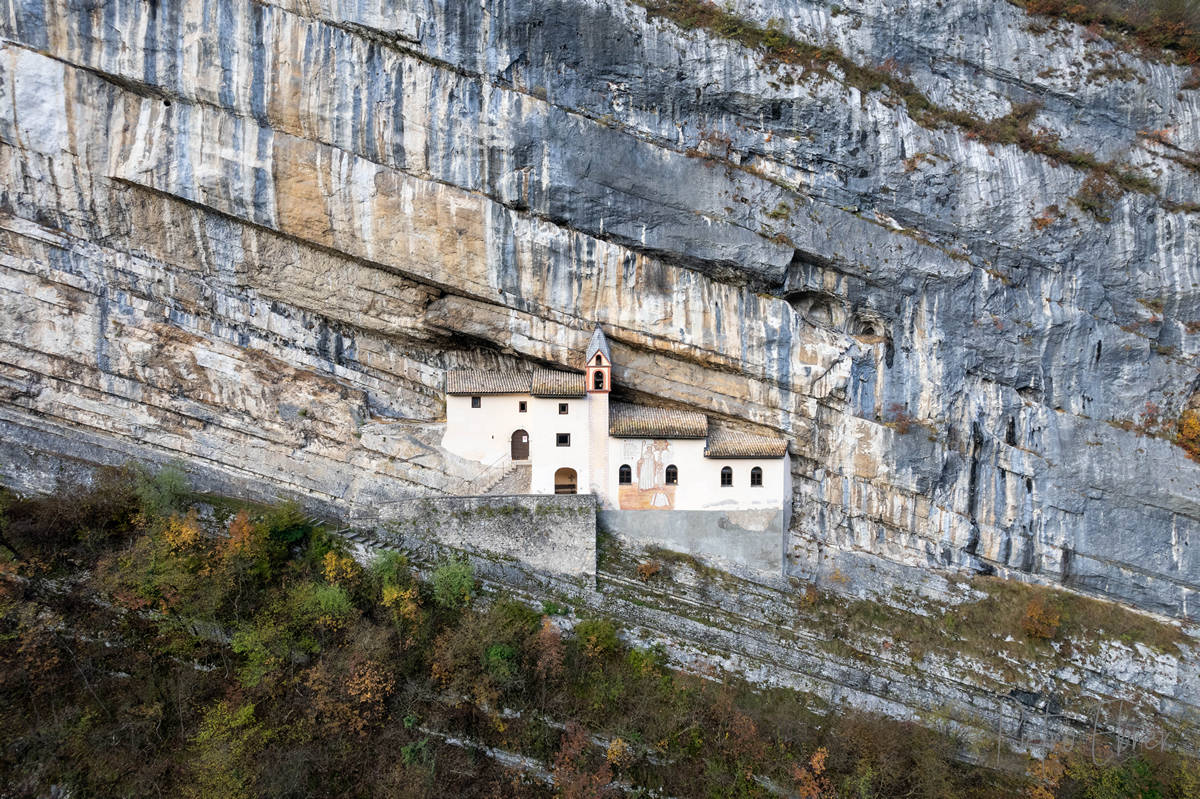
pixel 555 534
pixel 741 540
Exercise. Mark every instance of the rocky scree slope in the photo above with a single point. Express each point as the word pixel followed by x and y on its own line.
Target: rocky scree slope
pixel 255 235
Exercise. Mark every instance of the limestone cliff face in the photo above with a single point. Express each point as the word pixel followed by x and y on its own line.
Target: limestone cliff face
pixel 254 235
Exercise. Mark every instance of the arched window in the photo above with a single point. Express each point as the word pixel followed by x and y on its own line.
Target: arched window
pixel 756 476
pixel 625 475
pixel 672 475
pixel 598 380
pixel 726 477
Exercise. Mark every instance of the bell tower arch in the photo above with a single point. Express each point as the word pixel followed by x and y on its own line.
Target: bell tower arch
pixel 599 383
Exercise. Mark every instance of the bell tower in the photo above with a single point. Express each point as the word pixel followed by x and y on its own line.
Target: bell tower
pixel 599 383
pixel 599 365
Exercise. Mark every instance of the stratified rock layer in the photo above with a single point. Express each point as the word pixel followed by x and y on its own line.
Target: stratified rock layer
pixel 254 235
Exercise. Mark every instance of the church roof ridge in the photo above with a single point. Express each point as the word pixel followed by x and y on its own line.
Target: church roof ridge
pixel 736 444
pixel 643 421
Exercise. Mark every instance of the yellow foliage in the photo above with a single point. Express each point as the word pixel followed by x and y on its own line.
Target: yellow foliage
pixel 619 753
pixel 182 533
pixel 338 569
pixel 404 602
pixel 1046 775
pixel 1188 433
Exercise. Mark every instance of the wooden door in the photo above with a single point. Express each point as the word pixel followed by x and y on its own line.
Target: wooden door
pixel 520 445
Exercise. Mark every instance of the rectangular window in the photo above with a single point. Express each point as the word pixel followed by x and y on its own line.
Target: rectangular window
pixel 476 402
pixel 564 439
pixel 562 409
pixel 522 406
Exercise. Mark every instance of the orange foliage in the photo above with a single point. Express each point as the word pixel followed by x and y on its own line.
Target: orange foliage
pixel 648 569
pixel 350 701
pixel 1160 135
pixel 550 651
pixel 241 534
pixel 811 782
pixel 1040 620
pixel 1187 433
pixel 574 773
pixel 1046 218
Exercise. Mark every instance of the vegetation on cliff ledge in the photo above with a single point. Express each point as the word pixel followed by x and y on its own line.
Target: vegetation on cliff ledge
pixel 1171 26
pixel 150 646
pixel 776 45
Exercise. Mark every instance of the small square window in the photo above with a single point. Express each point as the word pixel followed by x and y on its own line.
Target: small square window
pixel 522 406
pixel 562 409
pixel 564 439
pixel 476 402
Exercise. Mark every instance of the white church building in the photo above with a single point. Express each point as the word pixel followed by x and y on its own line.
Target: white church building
pixel 679 475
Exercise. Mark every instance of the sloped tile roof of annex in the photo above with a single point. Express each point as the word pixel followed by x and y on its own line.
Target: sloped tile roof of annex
pixel 638 421
pixel 735 444
pixel 556 383
pixel 539 383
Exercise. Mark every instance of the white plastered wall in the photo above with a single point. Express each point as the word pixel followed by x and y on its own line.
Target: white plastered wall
pixel 699 486
pixel 484 434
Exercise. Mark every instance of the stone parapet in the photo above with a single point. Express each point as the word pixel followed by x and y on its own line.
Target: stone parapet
pixel 555 534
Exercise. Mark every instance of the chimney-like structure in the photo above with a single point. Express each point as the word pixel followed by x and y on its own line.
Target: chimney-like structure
pixel 599 384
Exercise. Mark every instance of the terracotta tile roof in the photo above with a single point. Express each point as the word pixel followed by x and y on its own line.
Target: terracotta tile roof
pixel 541 383
pixel 637 421
pixel 482 381
pixel 732 444
pixel 554 383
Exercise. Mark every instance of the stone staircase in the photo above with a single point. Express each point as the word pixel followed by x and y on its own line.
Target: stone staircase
pixel 486 478
pixel 514 480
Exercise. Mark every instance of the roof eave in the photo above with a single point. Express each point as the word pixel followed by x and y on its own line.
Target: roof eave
pixel 670 437
pixel 743 457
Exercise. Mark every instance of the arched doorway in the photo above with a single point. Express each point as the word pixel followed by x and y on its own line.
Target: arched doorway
pixel 520 445
pixel 565 481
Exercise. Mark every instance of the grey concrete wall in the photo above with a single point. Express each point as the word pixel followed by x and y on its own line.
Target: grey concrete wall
pixel 751 539
pixel 556 534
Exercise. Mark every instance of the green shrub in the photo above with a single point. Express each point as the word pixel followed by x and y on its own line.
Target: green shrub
pixel 598 636
pixel 647 661
pixel 264 646
pixel 453 584
pixel 516 618
pixel 389 568
pixel 501 663
pixel 163 493
pixel 223 752
pixel 321 603
pixel 415 753
pixel 288 524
